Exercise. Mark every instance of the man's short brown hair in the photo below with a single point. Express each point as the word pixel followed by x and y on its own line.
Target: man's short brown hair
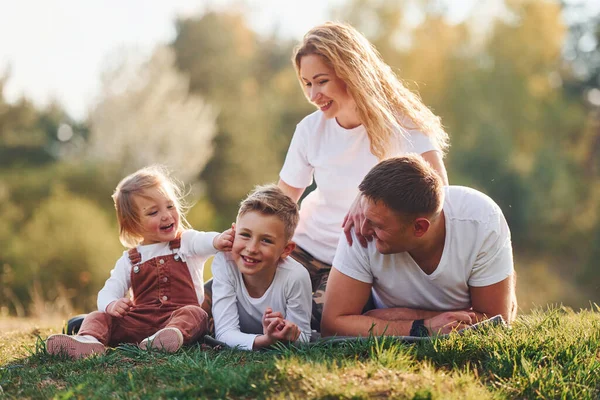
pixel 408 185
pixel 270 200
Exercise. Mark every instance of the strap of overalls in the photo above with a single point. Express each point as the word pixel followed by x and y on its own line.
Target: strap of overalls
pixel 175 244
pixel 135 257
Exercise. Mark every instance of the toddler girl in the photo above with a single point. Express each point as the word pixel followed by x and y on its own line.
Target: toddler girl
pixel 163 269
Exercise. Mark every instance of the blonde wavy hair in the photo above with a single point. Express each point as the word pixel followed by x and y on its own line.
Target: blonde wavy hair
pixel 382 101
pixel 128 215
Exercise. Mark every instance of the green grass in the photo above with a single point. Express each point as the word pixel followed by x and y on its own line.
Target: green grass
pixel 548 354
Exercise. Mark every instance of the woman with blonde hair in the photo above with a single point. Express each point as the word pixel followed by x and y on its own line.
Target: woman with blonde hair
pixel 365 114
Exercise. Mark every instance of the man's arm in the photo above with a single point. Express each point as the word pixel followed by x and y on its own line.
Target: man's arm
pixel 499 298
pixel 401 313
pixel 345 297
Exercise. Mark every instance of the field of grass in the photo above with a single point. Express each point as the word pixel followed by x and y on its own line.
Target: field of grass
pixel 547 354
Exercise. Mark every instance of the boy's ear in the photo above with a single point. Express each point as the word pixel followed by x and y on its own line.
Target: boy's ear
pixel 287 250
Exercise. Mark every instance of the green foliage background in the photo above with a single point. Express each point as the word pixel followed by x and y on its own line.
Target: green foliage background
pixel 515 94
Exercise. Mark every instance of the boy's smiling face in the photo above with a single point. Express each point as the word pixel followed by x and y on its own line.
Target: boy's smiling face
pixel 260 244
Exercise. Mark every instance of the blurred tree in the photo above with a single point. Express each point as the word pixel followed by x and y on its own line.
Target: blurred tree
pixel 68 243
pixel 581 80
pixel 147 116
pixel 28 136
pixel 496 80
pixel 252 83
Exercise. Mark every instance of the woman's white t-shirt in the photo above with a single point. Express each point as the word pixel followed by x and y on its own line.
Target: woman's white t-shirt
pixel 338 159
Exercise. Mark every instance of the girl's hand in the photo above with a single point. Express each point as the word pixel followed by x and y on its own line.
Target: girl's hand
pixel 355 218
pixel 224 241
pixel 119 308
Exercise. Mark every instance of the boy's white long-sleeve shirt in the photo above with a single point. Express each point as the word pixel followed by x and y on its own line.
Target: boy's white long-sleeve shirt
pixel 238 317
pixel 196 248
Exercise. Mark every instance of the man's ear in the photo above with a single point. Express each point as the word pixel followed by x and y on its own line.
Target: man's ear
pixel 287 250
pixel 421 226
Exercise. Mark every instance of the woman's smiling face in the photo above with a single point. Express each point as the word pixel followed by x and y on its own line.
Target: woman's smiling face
pixel 326 90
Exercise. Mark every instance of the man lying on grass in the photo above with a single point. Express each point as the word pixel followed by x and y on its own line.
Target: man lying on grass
pixel 441 258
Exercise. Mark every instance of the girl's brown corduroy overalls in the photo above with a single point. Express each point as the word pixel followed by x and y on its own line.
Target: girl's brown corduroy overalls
pixel 163 296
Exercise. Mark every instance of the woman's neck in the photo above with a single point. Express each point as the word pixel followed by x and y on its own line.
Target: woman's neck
pixel 348 120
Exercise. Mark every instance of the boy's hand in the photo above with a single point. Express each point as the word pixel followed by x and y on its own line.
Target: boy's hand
pixel 119 308
pixel 224 241
pixel 283 330
pixel 268 317
pixel 275 329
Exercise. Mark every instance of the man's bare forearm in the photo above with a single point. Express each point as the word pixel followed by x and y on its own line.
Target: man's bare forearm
pixel 363 325
pixel 401 314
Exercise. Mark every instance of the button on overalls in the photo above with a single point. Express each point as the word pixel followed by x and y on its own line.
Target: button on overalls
pixel 163 296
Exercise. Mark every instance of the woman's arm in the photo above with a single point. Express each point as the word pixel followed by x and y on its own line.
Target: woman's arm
pixel 434 158
pixel 292 192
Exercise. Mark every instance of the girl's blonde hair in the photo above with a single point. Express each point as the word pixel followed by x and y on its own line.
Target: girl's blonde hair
pixel 128 216
pixel 382 101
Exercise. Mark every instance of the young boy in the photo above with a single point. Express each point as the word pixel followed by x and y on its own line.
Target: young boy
pixel 260 295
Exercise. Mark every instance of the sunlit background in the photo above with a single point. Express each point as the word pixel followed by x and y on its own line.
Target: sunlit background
pixel 91 91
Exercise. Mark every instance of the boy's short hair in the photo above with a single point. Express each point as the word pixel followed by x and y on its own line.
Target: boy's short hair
pixel 408 185
pixel 270 200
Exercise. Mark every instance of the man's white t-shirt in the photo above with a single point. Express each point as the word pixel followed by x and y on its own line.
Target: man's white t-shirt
pixel 338 159
pixel 238 317
pixel 477 252
pixel 196 248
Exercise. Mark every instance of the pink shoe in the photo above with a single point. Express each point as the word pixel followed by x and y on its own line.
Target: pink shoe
pixel 167 339
pixel 74 346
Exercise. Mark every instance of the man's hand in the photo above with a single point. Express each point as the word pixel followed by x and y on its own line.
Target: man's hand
pixel 119 308
pixel 355 218
pixel 224 241
pixel 450 321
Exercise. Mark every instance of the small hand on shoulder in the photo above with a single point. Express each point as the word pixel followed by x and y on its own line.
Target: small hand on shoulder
pixel 224 241
pixel 119 308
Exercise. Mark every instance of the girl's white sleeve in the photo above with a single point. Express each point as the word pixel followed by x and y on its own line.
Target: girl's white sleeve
pixel 298 293
pixel 117 285
pixel 224 308
pixel 196 243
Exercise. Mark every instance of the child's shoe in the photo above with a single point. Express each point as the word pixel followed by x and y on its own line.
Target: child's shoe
pixel 167 339
pixel 74 346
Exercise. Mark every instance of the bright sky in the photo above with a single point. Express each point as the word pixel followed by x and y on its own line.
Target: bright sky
pixel 57 49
